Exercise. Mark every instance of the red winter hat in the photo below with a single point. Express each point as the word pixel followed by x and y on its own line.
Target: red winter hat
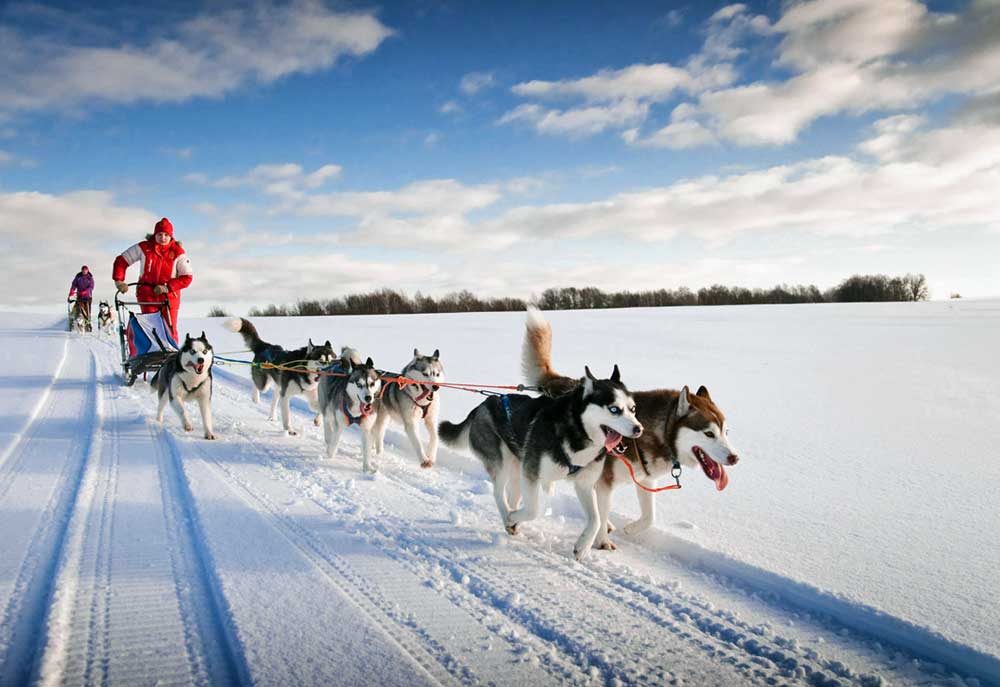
pixel 165 226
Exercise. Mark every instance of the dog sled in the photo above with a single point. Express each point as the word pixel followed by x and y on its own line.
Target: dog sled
pixel 145 338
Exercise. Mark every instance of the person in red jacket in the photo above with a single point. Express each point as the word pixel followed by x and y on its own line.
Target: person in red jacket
pixel 166 270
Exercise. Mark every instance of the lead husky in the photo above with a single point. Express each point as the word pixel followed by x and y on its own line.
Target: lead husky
pixel 106 319
pixel 187 376
pixel 350 400
pixel 311 358
pixel 679 425
pixel 411 404
pixel 545 439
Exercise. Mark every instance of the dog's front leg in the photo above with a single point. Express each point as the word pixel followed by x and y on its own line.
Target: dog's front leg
pixel 331 434
pixel 588 499
pixel 381 424
pixel 431 423
pixel 312 398
pixel 274 402
pixel 182 413
pixel 162 407
pixel 410 425
pixel 647 510
pixel 603 490
pixel 205 405
pixel 366 448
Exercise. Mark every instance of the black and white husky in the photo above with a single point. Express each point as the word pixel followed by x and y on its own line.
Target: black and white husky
pixel 541 440
pixel 350 400
pixel 287 383
pixel 412 404
pixel 106 319
pixel 187 376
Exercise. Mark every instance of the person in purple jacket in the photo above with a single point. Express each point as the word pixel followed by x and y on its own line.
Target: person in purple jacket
pixel 83 286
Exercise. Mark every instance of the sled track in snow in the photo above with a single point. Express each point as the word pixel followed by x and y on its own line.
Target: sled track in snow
pixel 23 620
pixel 754 652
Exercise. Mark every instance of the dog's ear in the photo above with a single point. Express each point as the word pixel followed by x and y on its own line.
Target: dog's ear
pixel 309 347
pixel 703 392
pixel 369 363
pixel 616 375
pixel 416 353
pixel 328 344
pixel 187 338
pixel 203 337
pixel 683 404
pixel 588 381
pixel 437 354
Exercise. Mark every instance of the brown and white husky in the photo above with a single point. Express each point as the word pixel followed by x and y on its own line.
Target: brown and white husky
pixel 679 425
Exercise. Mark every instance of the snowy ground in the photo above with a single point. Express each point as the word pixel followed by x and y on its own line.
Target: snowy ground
pixel 857 543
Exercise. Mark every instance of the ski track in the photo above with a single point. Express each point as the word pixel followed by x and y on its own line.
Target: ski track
pixel 143 555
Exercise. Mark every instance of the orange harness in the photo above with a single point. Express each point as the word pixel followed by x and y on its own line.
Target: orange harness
pixel 675 472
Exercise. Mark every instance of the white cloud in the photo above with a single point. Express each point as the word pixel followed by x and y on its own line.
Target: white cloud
pixel 474 82
pixel 207 56
pixel 432 139
pixel 622 98
pixel 287 180
pixel 936 179
pixel 581 121
pixel 450 107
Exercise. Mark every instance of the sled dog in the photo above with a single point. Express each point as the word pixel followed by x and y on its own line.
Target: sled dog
pixel 106 319
pixel 187 376
pixel 287 383
pixel 527 443
pixel 350 400
pixel 413 404
pixel 678 425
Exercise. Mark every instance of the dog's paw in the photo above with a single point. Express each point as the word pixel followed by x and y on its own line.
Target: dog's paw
pixel 188 427
pixel 636 527
pixel 512 528
pixel 316 420
pixel 581 554
pixel 426 463
pixel 292 433
pixel 606 545
pixel 209 436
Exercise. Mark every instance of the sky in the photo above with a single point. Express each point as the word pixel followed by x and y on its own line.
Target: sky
pixel 310 149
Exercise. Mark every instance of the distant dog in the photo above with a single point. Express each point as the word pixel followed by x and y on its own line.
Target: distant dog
pixel 679 425
pixel 541 440
pixel 412 404
pixel 187 376
pixel 310 359
pixel 106 319
pixel 350 400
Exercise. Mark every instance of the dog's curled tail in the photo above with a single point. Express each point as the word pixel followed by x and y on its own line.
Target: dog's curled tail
pixel 348 354
pixel 536 356
pixel 457 436
pixel 245 327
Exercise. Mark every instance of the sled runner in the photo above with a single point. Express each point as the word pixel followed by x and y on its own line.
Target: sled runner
pixel 145 338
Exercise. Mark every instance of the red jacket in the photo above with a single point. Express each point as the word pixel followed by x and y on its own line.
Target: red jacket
pixel 161 265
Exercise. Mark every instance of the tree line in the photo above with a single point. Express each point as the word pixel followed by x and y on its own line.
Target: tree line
pixel 858 288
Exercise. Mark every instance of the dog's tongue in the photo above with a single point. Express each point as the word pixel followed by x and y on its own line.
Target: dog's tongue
pixel 611 439
pixel 717 474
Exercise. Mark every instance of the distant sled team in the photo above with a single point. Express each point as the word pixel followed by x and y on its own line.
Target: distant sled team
pixel 582 430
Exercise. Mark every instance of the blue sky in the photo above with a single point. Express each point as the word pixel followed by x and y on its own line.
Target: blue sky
pixel 308 149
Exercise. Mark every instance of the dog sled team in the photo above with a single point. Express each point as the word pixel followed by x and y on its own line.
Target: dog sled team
pixel 583 430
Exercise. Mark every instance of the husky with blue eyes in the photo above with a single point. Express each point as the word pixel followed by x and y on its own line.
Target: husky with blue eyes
pixel 349 399
pixel 527 443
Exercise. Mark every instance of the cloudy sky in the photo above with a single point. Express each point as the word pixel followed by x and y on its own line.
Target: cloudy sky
pixel 312 149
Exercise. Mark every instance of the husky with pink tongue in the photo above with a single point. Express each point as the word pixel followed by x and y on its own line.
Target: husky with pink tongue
pixel 528 443
pixel 683 428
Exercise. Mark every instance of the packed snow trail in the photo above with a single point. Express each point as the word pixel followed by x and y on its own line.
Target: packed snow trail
pixel 135 553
